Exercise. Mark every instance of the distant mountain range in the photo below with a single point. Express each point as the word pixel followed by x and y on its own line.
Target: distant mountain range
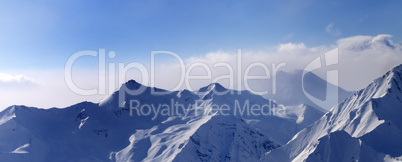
pixel 212 124
pixel 289 89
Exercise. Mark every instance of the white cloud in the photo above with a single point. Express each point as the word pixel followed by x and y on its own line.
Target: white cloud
pixel 364 58
pixel 44 88
pixel 18 80
pixel 361 43
pixel 361 60
pixel 332 30
pixel 291 47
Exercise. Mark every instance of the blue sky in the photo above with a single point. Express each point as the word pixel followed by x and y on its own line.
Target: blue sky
pixel 43 34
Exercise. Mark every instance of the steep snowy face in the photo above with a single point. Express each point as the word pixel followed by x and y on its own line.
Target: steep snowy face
pixel 304 115
pixel 134 124
pixel 370 120
pixel 226 139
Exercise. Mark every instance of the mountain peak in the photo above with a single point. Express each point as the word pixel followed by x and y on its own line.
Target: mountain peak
pixel 132 84
pixel 397 73
pixel 397 69
pixel 216 87
pixel 390 82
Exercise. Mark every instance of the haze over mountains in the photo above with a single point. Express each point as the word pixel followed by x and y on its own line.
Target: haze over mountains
pixel 366 126
pixel 289 89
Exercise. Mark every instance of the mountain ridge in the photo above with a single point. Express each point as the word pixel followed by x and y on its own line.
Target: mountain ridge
pixel 371 116
pixel 106 131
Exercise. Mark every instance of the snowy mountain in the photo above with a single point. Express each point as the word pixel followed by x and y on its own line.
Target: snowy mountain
pixel 210 124
pixel 365 127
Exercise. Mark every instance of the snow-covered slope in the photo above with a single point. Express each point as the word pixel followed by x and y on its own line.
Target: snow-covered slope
pixel 365 127
pixel 195 130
